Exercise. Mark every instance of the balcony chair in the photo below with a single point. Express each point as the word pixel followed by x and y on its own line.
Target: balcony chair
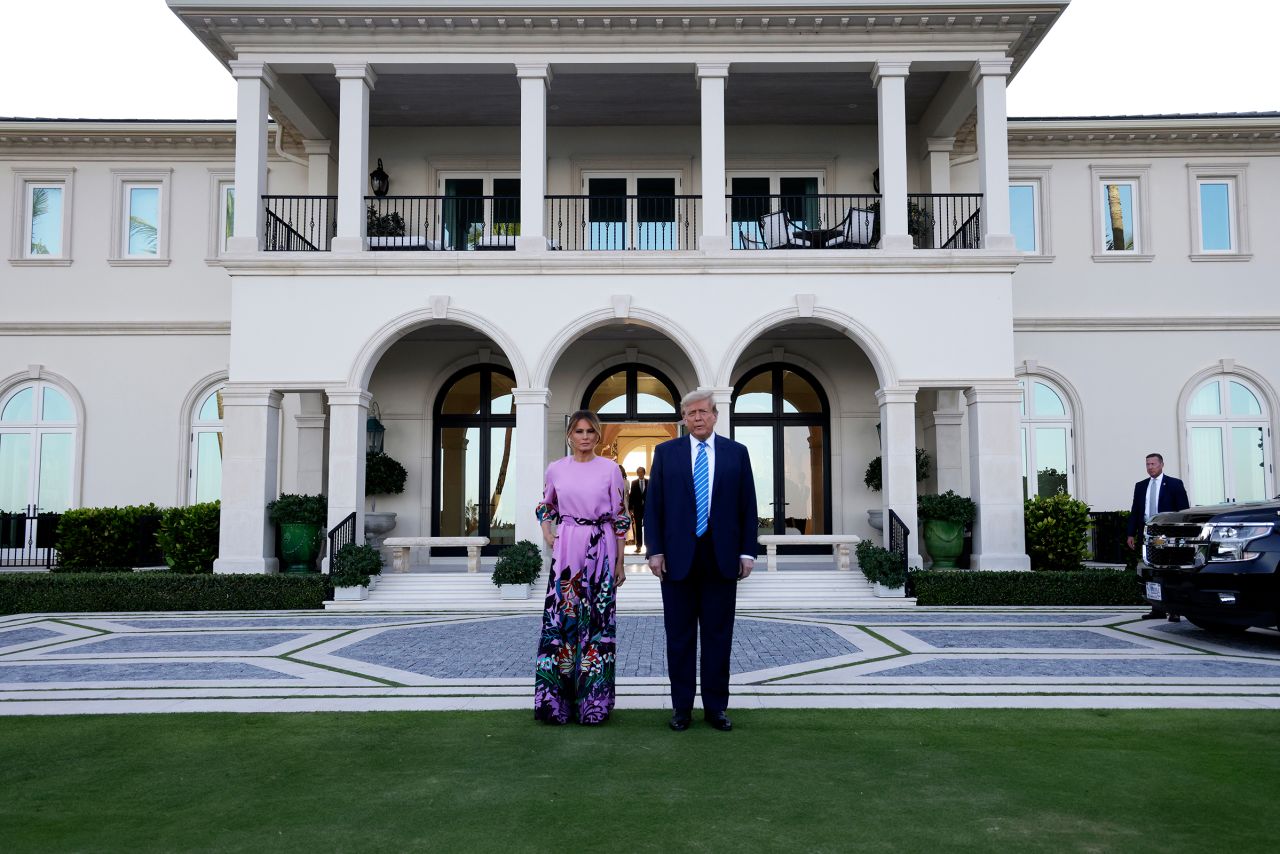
pixel 749 242
pixel 855 230
pixel 779 232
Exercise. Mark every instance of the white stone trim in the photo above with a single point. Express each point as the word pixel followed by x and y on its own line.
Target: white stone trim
pixel 218 178
pixel 18 247
pixel 116 251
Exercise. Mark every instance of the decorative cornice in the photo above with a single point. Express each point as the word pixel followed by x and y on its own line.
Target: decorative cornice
pixel 45 138
pixel 1147 324
pixel 121 327
pixel 1026 135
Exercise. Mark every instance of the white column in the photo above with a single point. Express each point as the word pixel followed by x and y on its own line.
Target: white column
pixel 947 426
pixel 890 80
pixel 250 460
pixel 320 173
pixel 712 79
pixel 531 458
pixel 938 163
pixel 254 82
pixel 995 475
pixel 990 77
pixel 310 423
pixel 898 463
pixel 722 397
pixel 534 80
pixel 348 417
pixel 355 82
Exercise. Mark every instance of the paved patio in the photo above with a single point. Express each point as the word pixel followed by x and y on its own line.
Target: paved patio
pixel 312 661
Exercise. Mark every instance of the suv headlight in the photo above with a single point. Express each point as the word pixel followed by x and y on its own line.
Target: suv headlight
pixel 1231 541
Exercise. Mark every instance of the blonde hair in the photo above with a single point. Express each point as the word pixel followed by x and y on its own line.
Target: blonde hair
pixel 583 415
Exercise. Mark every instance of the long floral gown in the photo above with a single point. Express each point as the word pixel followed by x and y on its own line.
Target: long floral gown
pixel 574 675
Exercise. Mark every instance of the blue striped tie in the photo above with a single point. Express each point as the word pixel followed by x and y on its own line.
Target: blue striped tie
pixel 701 490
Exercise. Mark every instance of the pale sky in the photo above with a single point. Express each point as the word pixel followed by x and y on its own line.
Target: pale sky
pixel 134 59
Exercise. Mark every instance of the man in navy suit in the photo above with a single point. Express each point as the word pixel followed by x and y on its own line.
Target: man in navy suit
pixel 1159 493
pixel 700 526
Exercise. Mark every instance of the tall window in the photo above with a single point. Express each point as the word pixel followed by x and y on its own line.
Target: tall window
pixel 632 210
pixel 44 220
pixel 632 392
pixel 142 220
pixel 1121 205
pixel 206 449
pixel 780 413
pixel 141 217
pixel 475 471
pixel 37 448
pixel 1047 461
pixel 1228 442
pixel 1119 218
pixel 753 196
pixel 42 217
pixel 480 211
pixel 1219 211
pixel 1023 217
pixel 226 213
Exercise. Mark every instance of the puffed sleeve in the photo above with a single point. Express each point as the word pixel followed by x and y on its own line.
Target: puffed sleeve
pixel 621 521
pixel 547 509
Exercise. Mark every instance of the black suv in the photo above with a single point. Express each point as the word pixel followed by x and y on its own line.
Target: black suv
pixel 1216 566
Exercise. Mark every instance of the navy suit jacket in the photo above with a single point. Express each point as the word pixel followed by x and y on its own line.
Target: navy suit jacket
pixel 1173 497
pixel 671 513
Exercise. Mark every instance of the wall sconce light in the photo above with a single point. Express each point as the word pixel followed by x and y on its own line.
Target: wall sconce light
pixel 379 180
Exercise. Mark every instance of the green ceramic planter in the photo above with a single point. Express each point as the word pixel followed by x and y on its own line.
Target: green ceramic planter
pixel 945 542
pixel 299 546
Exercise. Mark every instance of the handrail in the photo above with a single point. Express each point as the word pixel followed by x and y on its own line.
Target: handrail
pixel 343 534
pixel 897 535
pixel 293 237
pixel 968 235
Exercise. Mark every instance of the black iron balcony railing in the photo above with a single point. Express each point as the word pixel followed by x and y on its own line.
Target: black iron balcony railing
pixel 624 223
pixel 945 220
pixel 300 223
pixel 611 223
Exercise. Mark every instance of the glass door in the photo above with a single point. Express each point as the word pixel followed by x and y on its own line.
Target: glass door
pixel 479 211
pixel 632 211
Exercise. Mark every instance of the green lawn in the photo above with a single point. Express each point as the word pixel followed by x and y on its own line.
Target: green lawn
pixel 937 781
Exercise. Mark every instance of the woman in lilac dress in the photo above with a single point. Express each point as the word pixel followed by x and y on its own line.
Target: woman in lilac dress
pixel 584 523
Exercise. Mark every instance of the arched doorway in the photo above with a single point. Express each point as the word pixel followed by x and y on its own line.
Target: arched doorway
pixel 474 470
pixel 639 407
pixel 781 414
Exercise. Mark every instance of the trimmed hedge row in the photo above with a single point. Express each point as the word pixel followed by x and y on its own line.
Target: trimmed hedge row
pixel 38 592
pixel 107 539
pixel 1048 587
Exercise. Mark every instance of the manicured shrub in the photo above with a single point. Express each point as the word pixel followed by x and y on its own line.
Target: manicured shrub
pixel 353 564
pixel 518 564
pixel 947 507
pixel 383 475
pixel 39 592
pixel 880 565
pixel 188 537
pixel 1107 587
pixel 1057 528
pixel 873 477
pixel 108 539
pixel 291 509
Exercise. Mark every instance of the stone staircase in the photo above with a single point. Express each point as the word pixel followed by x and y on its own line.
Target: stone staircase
pixel 786 590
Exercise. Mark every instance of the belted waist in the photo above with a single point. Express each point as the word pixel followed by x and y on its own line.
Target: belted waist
pixel 588 523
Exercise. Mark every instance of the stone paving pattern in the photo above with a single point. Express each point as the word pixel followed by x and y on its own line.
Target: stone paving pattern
pixel 921 657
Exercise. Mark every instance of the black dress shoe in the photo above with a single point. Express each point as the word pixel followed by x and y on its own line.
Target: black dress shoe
pixel 680 721
pixel 1154 614
pixel 1174 618
pixel 720 721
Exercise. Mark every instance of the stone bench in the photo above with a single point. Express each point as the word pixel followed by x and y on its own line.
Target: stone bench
pixel 841 546
pixel 400 547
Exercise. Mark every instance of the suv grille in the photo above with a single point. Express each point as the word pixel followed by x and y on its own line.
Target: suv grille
pixel 1174 545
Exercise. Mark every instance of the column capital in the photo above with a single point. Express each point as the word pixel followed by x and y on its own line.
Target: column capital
pixel 889 69
pixel 994 392
pixel 534 71
pixel 940 143
pixel 712 69
pixel 531 396
pixel 245 70
pixel 990 68
pixel 250 396
pixel 356 71
pixel 348 397
pixel 896 395
pixel 317 146
pixel 310 421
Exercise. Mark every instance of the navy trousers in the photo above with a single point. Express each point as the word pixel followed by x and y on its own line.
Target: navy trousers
pixel 702 602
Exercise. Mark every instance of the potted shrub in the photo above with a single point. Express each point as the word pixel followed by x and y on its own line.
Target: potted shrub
pixel 382 476
pixel 885 570
pixel 301 521
pixel 516 568
pixel 873 479
pixel 351 570
pixel 944 518
pixel 1057 532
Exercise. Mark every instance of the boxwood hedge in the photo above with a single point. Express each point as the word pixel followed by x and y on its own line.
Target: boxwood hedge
pixel 1105 587
pixel 38 592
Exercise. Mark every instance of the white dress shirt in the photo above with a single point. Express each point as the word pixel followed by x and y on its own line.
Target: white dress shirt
pixel 1153 495
pixel 711 463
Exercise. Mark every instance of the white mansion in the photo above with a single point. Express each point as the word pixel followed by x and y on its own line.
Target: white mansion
pixel 819 211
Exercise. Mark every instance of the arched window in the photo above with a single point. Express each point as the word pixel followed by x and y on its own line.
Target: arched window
pixel 632 392
pixel 475 471
pixel 38 427
pixel 1228 442
pixel 205 471
pixel 1048 465
pixel 781 414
